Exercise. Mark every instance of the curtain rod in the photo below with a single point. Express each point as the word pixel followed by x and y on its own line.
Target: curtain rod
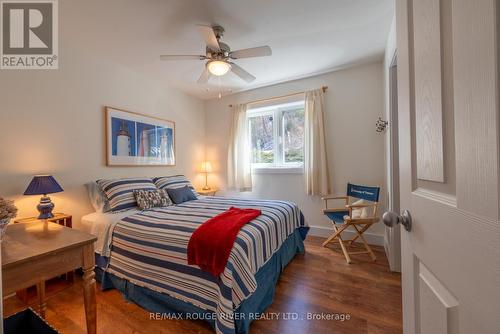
pixel 324 88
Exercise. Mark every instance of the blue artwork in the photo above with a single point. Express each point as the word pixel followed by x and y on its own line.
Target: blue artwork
pixel 123 137
pixel 146 143
pixel 165 142
pixel 135 139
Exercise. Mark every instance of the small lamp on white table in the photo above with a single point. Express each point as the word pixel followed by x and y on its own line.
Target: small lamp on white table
pixel 206 167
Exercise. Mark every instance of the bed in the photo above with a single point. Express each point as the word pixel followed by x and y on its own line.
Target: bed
pixel 144 255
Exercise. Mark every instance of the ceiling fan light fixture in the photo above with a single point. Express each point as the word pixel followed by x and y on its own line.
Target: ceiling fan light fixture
pixel 218 67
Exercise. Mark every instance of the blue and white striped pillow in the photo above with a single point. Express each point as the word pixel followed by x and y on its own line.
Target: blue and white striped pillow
pixel 174 181
pixel 120 192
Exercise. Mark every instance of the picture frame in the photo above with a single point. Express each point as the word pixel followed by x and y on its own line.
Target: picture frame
pixel 134 139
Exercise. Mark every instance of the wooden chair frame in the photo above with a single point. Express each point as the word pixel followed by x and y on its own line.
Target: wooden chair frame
pixel 360 225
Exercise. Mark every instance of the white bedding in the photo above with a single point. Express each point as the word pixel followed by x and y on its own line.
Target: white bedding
pixel 98 223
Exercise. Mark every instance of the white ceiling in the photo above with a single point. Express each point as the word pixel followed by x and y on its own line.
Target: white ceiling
pixel 307 36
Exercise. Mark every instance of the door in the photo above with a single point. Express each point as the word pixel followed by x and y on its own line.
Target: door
pixel 449 165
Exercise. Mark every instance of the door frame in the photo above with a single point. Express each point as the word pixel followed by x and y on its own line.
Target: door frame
pixel 393 235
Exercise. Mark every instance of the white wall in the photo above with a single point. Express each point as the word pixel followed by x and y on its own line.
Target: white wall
pixel 52 121
pixel 354 101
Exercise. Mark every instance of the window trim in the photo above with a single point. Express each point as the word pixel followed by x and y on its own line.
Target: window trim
pixel 279 165
pixel 278 170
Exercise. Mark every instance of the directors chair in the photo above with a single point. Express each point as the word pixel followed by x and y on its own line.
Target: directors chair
pixel 359 211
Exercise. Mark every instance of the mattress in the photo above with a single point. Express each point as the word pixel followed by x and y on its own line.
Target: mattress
pixel 99 223
pixel 149 249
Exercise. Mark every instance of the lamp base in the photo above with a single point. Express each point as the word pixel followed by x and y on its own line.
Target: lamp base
pixel 206 188
pixel 45 208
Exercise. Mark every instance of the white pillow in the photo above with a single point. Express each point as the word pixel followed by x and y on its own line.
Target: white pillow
pixel 97 197
pixel 360 212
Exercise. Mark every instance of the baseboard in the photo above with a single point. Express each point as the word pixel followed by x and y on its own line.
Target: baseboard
pixel 371 238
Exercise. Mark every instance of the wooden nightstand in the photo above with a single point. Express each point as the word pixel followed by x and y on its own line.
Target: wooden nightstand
pixel 59 218
pixel 32 252
pixel 208 192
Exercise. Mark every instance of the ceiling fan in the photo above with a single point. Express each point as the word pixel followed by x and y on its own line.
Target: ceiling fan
pixel 219 55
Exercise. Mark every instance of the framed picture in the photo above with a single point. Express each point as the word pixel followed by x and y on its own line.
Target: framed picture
pixel 133 139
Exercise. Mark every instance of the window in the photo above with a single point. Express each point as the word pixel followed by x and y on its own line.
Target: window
pixel 277 136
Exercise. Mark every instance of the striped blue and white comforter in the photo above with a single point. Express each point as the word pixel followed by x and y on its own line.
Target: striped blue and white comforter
pixel 149 249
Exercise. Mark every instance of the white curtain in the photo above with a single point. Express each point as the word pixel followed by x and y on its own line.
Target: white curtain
pixel 316 171
pixel 239 169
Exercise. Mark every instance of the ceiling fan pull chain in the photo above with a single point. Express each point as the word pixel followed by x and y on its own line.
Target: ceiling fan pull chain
pixel 220 89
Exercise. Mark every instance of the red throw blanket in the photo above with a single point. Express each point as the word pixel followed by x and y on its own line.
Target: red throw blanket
pixel 211 243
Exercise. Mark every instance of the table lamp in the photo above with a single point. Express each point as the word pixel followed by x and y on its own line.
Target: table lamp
pixel 206 167
pixel 43 185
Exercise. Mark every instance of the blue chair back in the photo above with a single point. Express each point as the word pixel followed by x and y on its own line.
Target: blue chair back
pixel 363 192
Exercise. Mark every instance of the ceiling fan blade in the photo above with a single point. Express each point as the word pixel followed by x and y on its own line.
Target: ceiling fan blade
pixel 260 51
pixel 242 73
pixel 182 57
pixel 208 35
pixel 204 76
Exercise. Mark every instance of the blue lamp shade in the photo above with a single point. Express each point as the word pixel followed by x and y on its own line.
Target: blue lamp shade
pixel 42 185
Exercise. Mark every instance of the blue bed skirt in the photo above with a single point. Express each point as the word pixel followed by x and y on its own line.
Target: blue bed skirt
pixel 267 278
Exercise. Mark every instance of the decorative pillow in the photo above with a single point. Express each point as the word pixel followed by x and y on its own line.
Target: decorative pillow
pixel 360 212
pixel 120 192
pixel 181 195
pixel 147 199
pixel 97 197
pixel 174 181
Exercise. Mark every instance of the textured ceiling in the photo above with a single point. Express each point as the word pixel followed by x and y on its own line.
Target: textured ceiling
pixel 307 37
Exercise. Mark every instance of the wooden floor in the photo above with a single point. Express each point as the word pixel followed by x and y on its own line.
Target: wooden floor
pixel 318 282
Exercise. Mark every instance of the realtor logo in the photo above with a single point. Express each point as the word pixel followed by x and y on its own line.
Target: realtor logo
pixel 29 34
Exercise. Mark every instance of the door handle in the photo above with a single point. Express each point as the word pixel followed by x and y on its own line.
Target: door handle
pixel 391 219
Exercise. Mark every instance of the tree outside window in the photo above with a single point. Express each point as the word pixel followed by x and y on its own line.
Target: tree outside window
pixel 276 135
